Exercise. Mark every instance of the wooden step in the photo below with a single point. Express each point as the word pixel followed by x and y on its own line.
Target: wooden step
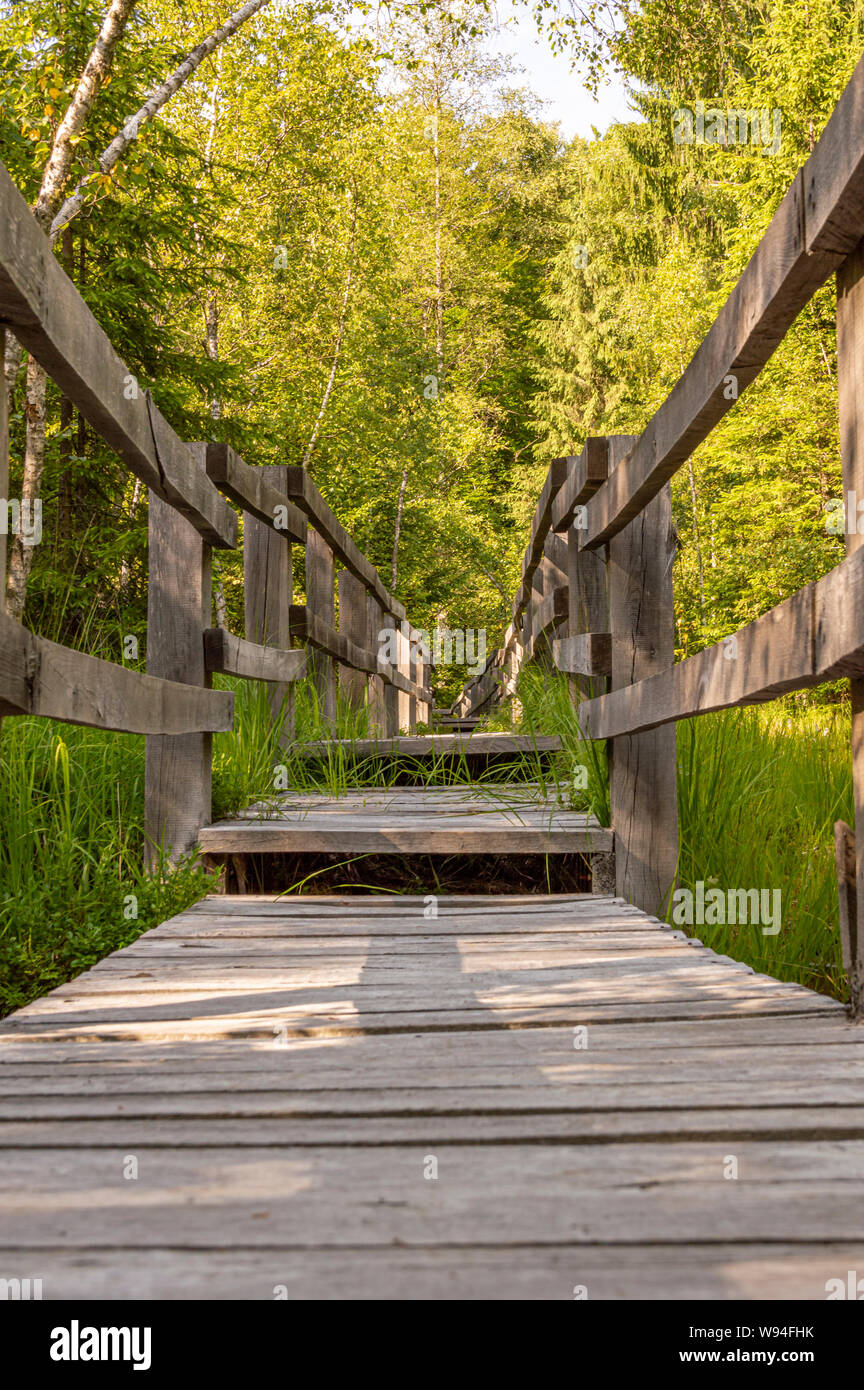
pixel 434 745
pixel 410 820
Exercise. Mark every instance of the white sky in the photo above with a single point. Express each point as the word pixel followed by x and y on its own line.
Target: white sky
pixel 549 76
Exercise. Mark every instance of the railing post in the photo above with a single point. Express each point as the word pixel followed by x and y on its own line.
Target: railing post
pixel 375 684
pixel 588 609
pixel 403 714
pixel 642 767
pixel 391 694
pixel 267 593
pixel 4 462
pixel 850 386
pixel 177 795
pixel 321 602
pixel 352 624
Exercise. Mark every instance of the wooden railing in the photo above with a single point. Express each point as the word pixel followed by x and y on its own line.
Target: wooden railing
pixel 173 704
pixel 596 591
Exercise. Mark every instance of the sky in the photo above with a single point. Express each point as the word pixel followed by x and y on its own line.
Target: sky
pixel 550 77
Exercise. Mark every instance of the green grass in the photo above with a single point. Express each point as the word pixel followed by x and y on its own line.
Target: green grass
pixel 759 791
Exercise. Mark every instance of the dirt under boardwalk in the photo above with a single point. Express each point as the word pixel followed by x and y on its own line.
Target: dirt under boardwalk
pixel 354 1098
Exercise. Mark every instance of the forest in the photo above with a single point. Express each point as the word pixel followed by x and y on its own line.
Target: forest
pixel 347 238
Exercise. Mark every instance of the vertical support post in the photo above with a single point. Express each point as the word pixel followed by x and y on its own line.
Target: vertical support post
pixel 413 702
pixel 4 467
pixel 177 794
pixel 588 609
pixel 375 684
pixel 404 667
pixel 352 624
pixel 4 461
pixel 391 694
pixel 321 601
pixel 642 767
pixel 850 386
pixel 267 588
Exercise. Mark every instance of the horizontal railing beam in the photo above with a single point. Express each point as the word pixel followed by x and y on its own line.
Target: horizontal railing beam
pixel 49 681
pixel 309 500
pixel 250 489
pixel 817 225
pixel 585 654
pixel 234 656
pixel 51 320
pixel 816 635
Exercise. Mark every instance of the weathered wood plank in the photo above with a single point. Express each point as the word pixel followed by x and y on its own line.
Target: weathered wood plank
pixel 352 626
pixel 816 225
pixel 254 491
pixel 540 524
pixel 433 745
pixel 585 654
pixel 52 321
pixel 643 767
pixel 304 492
pixel 585 473
pixel 268 582
pixel 236 657
pixel 816 635
pixel 177 793
pixel 42 678
pixel 321 607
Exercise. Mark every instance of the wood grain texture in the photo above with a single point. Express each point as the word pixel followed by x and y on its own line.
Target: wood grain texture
pixel 643 767
pixel 177 795
pixel 321 606
pixel 352 626
pixel 236 657
pixel 262 492
pixel 412 823
pixel 585 473
pixel 309 500
pixel 586 654
pixel 284 1110
pixel 268 582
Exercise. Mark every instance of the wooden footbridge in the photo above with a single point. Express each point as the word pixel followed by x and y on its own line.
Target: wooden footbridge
pixel 555 1095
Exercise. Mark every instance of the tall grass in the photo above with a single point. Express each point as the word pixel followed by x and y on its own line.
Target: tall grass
pixel 759 791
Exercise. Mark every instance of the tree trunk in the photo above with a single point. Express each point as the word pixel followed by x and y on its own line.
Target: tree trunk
pixel 394 569
pixel 21 558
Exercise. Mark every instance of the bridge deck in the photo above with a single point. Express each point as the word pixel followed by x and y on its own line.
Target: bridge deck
pixel 286 1077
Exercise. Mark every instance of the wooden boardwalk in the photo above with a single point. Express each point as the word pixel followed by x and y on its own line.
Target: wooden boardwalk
pixel 347 1098
pixel 497 819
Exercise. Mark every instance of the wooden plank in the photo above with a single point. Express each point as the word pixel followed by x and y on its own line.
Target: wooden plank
pixel 406 707
pixel 52 321
pixel 666 1271
pixel 433 745
pixel 795 256
pixel 352 626
pixel 236 657
pixel 4 464
pixel 177 795
pixel 353 1196
pixel 552 610
pixel 585 473
pixel 391 673
pixel 268 581
pixel 850 383
pixel 585 654
pixel 46 680
pixel 643 767
pixel 304 492
pixel 375 685
pixel 255 491
pixel 540 525
pixel 844 856
pixel 816 635
pixel 321 606
pixel 378 833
